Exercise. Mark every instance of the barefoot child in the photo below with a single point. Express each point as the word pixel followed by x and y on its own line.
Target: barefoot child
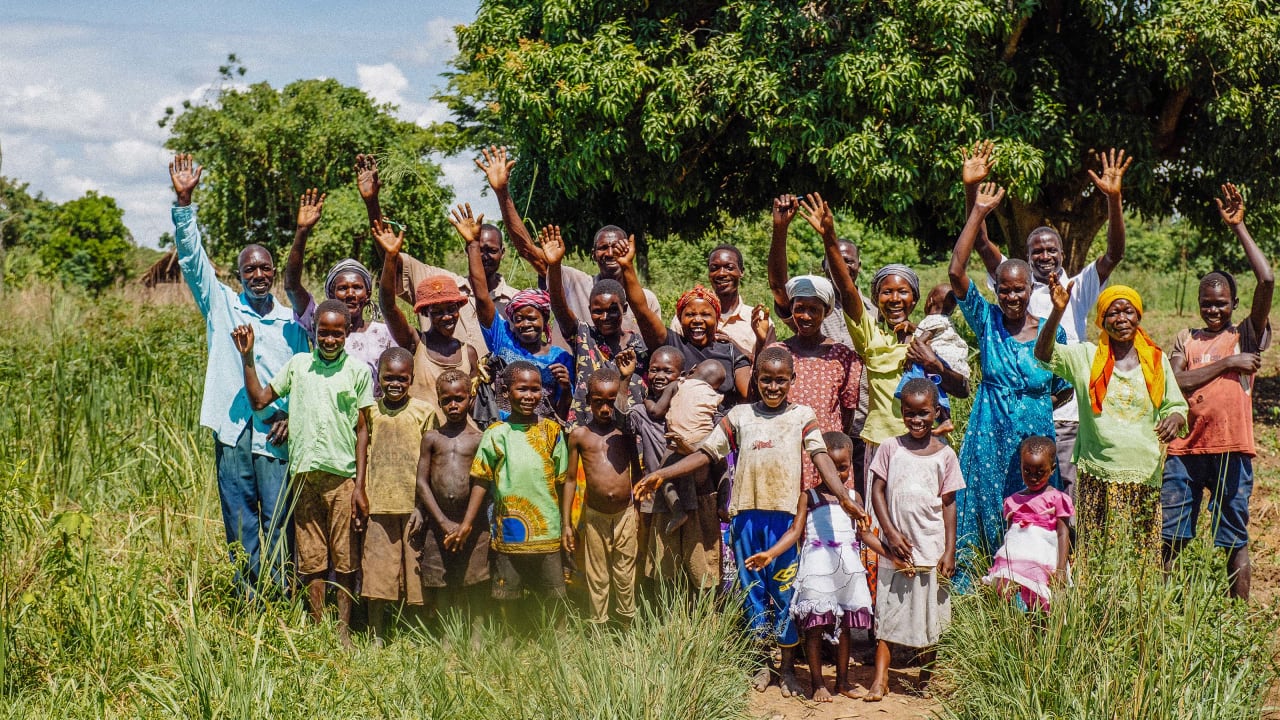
pixel 1034 554
pixel 914 482
pixel 520 462
pixel 608 533
pixel 455 554
pixel 396 425
pixel 770 437
pixel 330 394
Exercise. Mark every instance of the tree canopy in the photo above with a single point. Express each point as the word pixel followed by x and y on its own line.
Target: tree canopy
pixel 661 114
pixel 262 147
pixel 88 243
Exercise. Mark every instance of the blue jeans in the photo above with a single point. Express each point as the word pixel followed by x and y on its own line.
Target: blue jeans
pixel 255 511
pixel 1229 479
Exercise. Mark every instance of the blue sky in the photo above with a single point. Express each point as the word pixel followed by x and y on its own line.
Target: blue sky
pixel 82 84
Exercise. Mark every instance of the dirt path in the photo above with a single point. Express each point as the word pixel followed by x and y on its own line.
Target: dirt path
pixel 903 702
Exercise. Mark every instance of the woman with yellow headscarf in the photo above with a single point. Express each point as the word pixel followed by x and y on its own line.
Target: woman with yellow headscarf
pixel 1134 409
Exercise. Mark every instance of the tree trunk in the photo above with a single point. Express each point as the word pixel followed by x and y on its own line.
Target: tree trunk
pixel 1065 207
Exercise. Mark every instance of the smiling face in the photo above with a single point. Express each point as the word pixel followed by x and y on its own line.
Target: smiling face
pixel 606 249
pixel 349 288
pixel 331 334
pixel 773 381
pixel 525 392
pixel 601 395
pixel 455 400
pixel 257 271
pixel 698 321
pixel 529 326
pixel 1037 468
pixel 444 317
pixel 491 249
pixel 1013 291
pixel 1216 306
pixel 395 375
pixel 1044 252
pixel 896 299
pixel 919 414
pixel 1120 321
pixel 724 271
pixel 664 368
pixel 606 314
pixel 808 313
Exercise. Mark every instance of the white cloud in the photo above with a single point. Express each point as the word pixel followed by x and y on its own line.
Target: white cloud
pixel 437 44
pixel 127 158
pixel 384 83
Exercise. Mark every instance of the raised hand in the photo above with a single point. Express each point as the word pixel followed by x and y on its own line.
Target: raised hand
pixel 1113 169
pixel 816 211
pixel 989 197
pixel 978 161
pixel 467 224
pixel 626 362
pixel 784 210
pixel 1061 296
pixel 309 209
pixel 552 244
pixel 760 322
pixel 497 168
pixel 388 240
pixel 1232 211
pixel 242 336
pixel 627 257
pixel 367 180
pixel 185 175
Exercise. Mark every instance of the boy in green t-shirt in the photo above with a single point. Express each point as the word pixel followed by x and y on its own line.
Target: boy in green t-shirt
pixel 329 399
pixel 521 461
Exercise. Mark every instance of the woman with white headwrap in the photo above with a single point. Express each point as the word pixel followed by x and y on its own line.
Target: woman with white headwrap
pixel 348 281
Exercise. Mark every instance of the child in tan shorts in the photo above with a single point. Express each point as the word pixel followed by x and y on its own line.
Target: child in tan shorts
pixel 397 424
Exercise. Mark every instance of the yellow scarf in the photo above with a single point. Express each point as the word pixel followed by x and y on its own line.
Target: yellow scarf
pixel 1104 360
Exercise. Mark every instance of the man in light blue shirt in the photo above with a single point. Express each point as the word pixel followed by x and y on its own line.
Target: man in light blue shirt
pixel 250 451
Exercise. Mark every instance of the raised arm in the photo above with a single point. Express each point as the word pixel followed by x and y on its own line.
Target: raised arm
pixel 1061 297
pixel 388 283
pixel 987 199
pixel 468 226
pixel 784 211
pixel 309 209
pixel 977 165
pixel 496 165
pixel 652 330
pixel 1113 169
pixel 369 185
pixel 197 269
pixel 553 251
pixel 1232 212
pixel 816 211
pixel 259 396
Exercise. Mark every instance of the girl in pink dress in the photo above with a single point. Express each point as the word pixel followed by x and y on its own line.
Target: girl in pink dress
pixel 1034 553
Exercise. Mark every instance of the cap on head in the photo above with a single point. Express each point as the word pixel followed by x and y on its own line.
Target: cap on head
pixel 436 290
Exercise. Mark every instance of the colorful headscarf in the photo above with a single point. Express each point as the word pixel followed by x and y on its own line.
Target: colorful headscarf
pixel 538 299
pixel 1104 360
pixel 346 266
pixel 901 271
pixel 812 286
pixel 698 292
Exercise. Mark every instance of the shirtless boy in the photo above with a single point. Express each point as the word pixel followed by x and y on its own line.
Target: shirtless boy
pixel 610 466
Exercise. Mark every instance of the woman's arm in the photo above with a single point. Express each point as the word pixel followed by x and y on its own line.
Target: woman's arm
pixel 1061 297
pixel 988 198
pixel 815 210
pixel 784 211
pixel 309 209
pixel 553 251
pixel 977 164
pixel 468 226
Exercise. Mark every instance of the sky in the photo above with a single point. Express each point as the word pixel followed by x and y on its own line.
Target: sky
pixel 82 83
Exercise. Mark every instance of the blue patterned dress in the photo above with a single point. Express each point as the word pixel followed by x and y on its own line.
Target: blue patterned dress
pixel 1013 402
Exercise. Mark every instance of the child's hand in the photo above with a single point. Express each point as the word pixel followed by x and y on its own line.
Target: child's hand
pixel 977 162
pixel 467 224
pixel 626 362
pixel 496 166
pixel 758 562
pixel 552 244
pixel 947 564
pixel 448 527
pixel 416 523
pixel 1170 427
pixel 818 213
pixel 897 545
pixel 855 510
pixel 679 444
pixel 367 180
pixel 944 428
pixel 454 541
pixel 309 209
pixel 1245 363
pixel 243 338
pixel 1113 169
pixel 566 538
pixel 760 323
pixel 1061 296
pixel 562 375
pixel 1232 211
pixel 1059 578
pixel 359 509
pixel 387 239
pixel 647 485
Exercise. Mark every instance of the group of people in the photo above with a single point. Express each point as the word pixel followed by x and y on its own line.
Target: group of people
pixel 516 438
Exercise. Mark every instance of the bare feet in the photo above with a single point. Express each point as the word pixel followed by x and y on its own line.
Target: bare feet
pixel 790 686
pixel 820 694
pixel 850 691
pixel 344 637
pixel 762 679
pixel 876 693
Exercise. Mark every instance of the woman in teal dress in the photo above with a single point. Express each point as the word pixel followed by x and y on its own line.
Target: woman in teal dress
pixel 1014 399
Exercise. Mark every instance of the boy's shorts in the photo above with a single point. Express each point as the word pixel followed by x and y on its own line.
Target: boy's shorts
pixel 322 523
pixel 390 561
pixel 1229 479
pixel 465 567
pixel 541 573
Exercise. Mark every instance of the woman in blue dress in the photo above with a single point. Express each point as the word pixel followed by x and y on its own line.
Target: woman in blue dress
pixel 1014 399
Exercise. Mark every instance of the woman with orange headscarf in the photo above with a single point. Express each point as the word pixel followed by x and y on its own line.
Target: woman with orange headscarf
pixel 1134 409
